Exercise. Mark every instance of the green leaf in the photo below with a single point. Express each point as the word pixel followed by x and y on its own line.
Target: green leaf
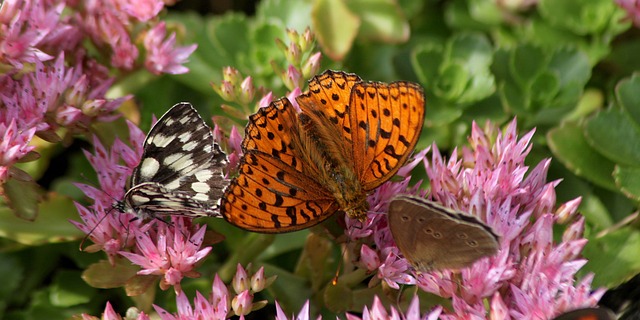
pixel 547 87
pixel 615 136
pixel 568 144
pixel 580 16
pixel 628 179
pixel 292 14
pixel 571 65
pixel 52 225
pixel 69 290
pixel 452 82
pixel 475 53
pixel 486 11
pixel 104 276
pixel 336 27
pixel 614 257
pixel 426 60
pixel 627 93
pixel 23 198
pixel 526 64
pixel 382 20
pixel 13 273
pixel 230 34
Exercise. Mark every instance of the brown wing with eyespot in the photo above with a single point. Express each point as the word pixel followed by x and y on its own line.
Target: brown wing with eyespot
pixel 432 237
pixel 386 121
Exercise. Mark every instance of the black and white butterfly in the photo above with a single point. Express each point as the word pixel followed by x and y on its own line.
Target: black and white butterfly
pixel 180 172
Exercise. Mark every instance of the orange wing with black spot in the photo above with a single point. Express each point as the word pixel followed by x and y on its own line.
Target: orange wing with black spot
pixel 327 102
pixel 271 193
pixel 386 121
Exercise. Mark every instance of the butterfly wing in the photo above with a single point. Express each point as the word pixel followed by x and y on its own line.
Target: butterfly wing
pixel 327 105
pixel 181 167
pixel 386 121
pixel 274 191
pixel 433 237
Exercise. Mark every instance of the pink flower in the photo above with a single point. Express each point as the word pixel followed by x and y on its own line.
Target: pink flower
pixel 633 10
pixel 266 100
pixel 142 10
pixel 110 314
pixel 530 276
pixel 172 254
pixel 217 306
pixel 302 315
pixel 14 144
pixel 108 229
pixel 24 25
pixel 162 55
pixel 378 311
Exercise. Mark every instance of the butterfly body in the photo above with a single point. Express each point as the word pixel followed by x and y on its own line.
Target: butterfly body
pixel 301 167
pixel 433 237
pixel 180 171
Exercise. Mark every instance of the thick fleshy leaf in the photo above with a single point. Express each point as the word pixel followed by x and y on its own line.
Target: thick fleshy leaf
pixel 628 179
pixel 336 27
pixel 580 16
pixel 613 257
pixel 382 20
pixel 569 146
pixel 23 198
pixel 52 225
pixel 69 290
pixel 140 284
pixel 627 94
pixel 615 136
pixel 103 275
pixel 527 62
pixel 292 14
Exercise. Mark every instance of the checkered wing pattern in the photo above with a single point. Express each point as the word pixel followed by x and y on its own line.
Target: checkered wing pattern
pixel 180 172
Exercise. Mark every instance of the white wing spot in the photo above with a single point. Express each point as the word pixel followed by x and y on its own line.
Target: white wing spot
pixel 204 175
pixel 190 146
pixel 173 185
pixel 169 122
pixel 161 141
pixel 185 136
pixel 208 148
pixel 138 199
pixel 178 161
pixel 149 167
pixel 200 187
pixel 184 119
pixel 200 197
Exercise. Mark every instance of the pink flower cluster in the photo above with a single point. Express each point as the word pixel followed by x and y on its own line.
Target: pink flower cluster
pixel 220 304
pixel 170 250
pixel 40 94
pixel 531 276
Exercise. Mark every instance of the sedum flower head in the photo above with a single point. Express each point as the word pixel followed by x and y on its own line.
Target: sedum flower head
pixel 531 276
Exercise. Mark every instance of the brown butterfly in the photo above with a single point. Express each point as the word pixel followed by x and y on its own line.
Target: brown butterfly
pixel 433 237
pixel 299 168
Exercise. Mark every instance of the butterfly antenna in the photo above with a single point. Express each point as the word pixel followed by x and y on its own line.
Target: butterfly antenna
pixel 89 182
pixel 86 236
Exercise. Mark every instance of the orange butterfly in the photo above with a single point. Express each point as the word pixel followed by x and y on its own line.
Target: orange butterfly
pixel 300 168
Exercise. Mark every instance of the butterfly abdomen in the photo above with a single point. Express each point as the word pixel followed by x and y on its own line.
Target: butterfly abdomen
pixel 325 150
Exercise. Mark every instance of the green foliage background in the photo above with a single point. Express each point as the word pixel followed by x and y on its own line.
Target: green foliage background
pixel 567 68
